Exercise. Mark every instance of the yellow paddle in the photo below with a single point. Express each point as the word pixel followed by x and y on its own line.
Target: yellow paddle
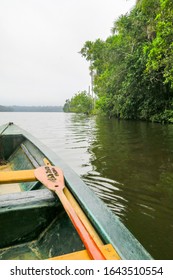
pixel 52 177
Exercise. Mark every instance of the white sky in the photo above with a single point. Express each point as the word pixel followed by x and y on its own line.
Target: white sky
pixel 39 45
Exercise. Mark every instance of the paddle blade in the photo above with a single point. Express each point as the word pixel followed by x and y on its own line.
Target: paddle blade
pixel 50 176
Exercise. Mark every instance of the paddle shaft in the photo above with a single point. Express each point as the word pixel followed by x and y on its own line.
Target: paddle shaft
pixel 53 178
pixel 89 243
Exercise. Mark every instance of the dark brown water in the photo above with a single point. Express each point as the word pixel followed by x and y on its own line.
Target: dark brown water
pixel 128 164
pixel 137 160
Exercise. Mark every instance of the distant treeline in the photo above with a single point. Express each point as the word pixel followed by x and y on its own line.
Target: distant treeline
pixel 5 109
pixel 31 108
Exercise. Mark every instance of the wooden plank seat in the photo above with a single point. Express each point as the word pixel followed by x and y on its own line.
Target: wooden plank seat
pixel 7 177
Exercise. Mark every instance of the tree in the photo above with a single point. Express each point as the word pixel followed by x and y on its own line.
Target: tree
pixel 160 52
pixel 66 107
pixel 81 102
pixel 133 67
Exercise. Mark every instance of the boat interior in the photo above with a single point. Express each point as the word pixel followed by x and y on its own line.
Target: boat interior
pixel 33 223
pixel 18 153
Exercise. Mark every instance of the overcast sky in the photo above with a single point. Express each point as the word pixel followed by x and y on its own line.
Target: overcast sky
pixel 39 45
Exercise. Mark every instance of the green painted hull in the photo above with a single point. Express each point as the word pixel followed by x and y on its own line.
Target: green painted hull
pixel 33 224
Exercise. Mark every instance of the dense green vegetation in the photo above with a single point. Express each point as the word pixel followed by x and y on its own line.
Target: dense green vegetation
pixel 80 103
pixel 133 68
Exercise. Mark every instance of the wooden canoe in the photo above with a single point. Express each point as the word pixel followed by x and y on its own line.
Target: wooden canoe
pixel 33 222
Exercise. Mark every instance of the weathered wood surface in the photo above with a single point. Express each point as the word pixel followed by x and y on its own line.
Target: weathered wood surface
pixel 24 215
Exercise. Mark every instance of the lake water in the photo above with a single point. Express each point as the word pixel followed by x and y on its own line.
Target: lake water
pixel 128 164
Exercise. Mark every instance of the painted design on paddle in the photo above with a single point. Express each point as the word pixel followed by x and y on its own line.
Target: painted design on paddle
pixel 51 173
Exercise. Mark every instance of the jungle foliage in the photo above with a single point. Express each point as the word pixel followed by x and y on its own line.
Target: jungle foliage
pixel 133 68
pixel 81 102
